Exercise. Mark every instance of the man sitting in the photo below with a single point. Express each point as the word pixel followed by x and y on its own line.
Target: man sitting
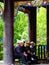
pixel 34 59
pixel 30 50
pixel 19 52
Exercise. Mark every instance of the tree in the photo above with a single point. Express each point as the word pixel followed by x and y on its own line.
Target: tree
pixel 20 26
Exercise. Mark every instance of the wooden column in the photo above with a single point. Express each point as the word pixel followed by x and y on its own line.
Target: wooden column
pixel 48 31
pixel 9 32
pixel 32 24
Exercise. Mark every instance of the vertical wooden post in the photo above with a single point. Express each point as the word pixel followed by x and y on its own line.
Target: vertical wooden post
pixel 9 32
pixel 32 24
pixel 48 32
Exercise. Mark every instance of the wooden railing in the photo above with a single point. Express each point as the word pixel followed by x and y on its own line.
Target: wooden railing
pixel 41 51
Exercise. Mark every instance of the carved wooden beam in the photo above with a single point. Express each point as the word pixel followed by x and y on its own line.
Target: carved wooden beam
pixel 23 0
pixel 17 0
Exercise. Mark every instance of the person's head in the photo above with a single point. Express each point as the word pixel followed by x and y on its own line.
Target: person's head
pixel 28 44
pixel 32 43
pixel 21 43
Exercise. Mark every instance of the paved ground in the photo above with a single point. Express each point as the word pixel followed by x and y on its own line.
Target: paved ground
pixel 16 63
pixel 1 63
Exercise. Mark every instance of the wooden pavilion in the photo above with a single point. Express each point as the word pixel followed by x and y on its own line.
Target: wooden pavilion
pixel 9 28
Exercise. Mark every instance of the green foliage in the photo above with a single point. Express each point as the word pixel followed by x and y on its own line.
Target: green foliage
pixel 1 38
pixel 1 51
pixel 41 26
pixel 2 5
pixel 20 27
pixel 1 29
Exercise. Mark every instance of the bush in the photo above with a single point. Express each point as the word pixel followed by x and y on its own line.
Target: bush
pixel 1 51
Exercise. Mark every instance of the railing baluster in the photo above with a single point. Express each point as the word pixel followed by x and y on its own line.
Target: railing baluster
pixel 41 51
pixel 44 52
pixel 35 49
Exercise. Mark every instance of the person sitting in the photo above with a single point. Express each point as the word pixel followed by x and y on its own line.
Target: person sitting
pixel 28 51
pixel 19 52
pixel 34 59
pixel 32 47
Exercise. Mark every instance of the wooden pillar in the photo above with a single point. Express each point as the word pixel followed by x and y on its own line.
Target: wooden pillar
pixel 32 24
pixel 9 32
pixel 48 32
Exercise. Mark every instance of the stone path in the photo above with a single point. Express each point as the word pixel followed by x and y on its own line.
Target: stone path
pixel 2 63
pixel 16 63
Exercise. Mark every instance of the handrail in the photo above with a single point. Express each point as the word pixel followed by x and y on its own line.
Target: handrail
pixel 41 51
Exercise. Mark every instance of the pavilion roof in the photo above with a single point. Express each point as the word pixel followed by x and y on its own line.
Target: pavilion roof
pixel 28 2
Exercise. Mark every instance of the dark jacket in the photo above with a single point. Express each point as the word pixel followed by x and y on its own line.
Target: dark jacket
pixel 27 49
pixel 19 50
